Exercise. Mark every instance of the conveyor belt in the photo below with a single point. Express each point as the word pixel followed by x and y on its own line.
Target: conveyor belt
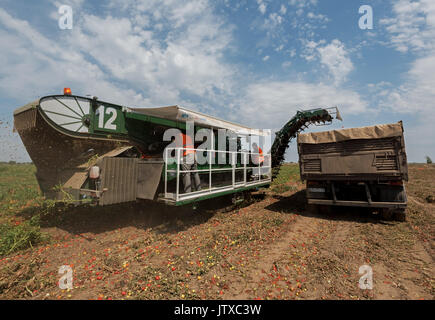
pixel 295 125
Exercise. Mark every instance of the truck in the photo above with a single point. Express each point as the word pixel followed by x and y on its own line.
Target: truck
pixel 356 167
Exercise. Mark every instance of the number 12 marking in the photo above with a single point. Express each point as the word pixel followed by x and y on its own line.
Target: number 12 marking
pixel 110 125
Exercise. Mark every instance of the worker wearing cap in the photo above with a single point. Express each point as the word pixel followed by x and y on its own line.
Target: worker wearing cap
pixel 189 163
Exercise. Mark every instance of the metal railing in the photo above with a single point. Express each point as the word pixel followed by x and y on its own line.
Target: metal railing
pixel 263 170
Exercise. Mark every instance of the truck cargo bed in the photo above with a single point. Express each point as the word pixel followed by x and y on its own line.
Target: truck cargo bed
pixel 362 167
pixel 369 153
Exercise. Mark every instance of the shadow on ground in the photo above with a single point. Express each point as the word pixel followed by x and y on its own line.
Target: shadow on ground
pixel 143 215
pixel 169 219
pixel 297 203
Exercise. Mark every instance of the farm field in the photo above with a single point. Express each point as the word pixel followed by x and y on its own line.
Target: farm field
pixel 271 247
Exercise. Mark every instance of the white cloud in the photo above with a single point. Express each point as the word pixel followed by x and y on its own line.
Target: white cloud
pixel 273 24
pixel 75 4
pixel 416 98
pixel 261 6
pixel 288 18
pixel 413 25
pixel 271 104
pixel 412 29
pixel 303 3
pixel 159 52
pixel 286 64
pixel 102 55
pixel 188 63
pixel 33 61
pixel 279 48
pixel 120 60
pixel 274 20
pixel 335 57
pixel 309 51
pixel 320 17
pixel 417 94
pixel 332 56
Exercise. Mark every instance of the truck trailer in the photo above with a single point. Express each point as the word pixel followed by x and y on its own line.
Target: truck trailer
pixel 359 167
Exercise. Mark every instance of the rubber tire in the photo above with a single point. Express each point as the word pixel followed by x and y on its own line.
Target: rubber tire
pixel 319 209
pixel 313 208
pixel 400 215
pixel 387 214
pixel 247 195
pixel 326 209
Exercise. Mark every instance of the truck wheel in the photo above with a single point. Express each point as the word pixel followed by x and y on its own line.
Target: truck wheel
pixel 313 208
pixel 400 215
pixel 386 214
pixel 325 209
pixel 400 196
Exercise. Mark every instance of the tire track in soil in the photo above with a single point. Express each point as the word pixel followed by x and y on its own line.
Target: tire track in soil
pixel 272 256
pixel 311 256
pixel 400 273
pixel 283 266
pixel 319 257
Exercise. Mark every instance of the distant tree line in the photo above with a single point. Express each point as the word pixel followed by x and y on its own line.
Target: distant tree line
pixel 14 162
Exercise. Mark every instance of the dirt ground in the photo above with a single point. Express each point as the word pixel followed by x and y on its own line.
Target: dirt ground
pixel 272 248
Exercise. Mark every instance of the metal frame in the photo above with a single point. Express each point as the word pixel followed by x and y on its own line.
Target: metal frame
pixel 333 112
pixel 353 203
pixel 263 170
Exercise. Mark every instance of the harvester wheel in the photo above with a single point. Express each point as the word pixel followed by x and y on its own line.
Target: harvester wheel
pixel 247 195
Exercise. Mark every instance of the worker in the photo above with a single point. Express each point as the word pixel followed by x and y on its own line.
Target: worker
pixel 257 156
pixel 257 159
pixel 188 163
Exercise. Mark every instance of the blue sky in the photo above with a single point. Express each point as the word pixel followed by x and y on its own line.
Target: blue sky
pixel 254 62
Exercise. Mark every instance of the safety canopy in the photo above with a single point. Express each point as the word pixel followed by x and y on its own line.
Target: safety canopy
pixel 177 113
pixel 64 110
pixel 371 132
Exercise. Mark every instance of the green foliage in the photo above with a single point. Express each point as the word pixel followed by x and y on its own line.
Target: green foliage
pixel 22 236
pixel 17 184
pixel 428 160
pixel 283 188
pixel 287 173
pixel 20 208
